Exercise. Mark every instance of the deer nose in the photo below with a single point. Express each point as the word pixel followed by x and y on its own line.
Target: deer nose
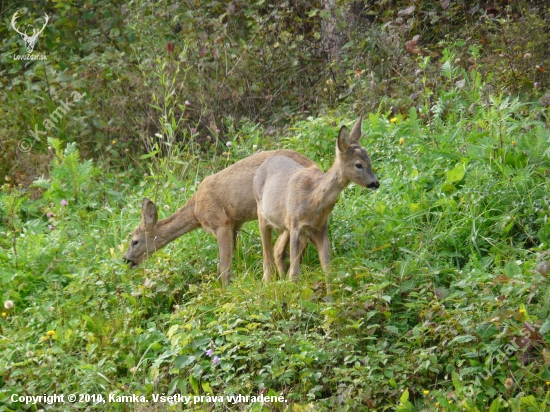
pixel 374 185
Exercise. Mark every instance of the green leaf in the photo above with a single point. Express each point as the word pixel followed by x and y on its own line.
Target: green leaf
pixel 174 385
pixel 495 406
pixel 183 360
pixel 486 330
pixel 523 309
pixel 530 400
pixel 404 396
pixel 545 327
pixel 206 387
pixel 172 178
pixel 380 208
pixel 62 77
pixel 412 114
pixel 148 155
pixel 463 339
pixel 194 384
pixel 459 386
pixel 456 174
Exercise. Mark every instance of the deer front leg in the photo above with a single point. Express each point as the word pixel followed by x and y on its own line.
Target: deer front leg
pixel 280 252
pixel 226 245
pixel 297 243
pixel 322 243
pixel 268 261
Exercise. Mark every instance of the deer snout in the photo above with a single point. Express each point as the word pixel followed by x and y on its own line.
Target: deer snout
pixel 130 262
pixel 374 185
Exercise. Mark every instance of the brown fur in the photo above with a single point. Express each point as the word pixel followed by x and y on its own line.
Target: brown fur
pixel 298 201
pixel 222 204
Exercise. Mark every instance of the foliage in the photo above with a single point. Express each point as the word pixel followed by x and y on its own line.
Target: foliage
pixel 441 302
pixel 203 68
pixel 437 303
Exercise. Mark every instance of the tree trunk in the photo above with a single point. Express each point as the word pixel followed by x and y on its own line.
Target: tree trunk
pixel 333 37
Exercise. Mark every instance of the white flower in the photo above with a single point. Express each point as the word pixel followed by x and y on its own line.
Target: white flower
pixel 8 304
pixel 229 144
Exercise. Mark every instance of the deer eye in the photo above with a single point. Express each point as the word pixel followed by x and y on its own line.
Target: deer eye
pixel 135 242
pixel 358 165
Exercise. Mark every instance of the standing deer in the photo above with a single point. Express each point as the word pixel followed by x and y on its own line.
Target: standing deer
pixel 297 201
pixel 30 40
pixel 222 204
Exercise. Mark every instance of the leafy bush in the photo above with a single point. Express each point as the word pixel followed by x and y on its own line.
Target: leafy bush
pixel 441 293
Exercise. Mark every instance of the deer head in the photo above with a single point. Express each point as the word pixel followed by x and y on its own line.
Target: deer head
pixel 30 40
pixel 144 238
pixel 354 162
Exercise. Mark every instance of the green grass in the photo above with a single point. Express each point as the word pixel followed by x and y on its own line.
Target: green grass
pixel 434 277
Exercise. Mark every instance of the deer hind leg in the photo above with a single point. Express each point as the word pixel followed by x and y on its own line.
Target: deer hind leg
pixel 280 253
pixel 226 244
pixel 322 243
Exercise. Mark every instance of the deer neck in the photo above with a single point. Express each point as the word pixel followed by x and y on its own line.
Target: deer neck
pixel 181 222
pixel 326 194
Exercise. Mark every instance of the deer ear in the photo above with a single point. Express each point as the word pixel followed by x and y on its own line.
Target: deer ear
pixel 149 214
pixel 344 139
pixel 356 131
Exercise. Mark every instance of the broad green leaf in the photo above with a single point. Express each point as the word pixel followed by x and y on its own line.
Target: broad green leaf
pixel 183 360
pixel 459 386
pixel 545 327
pixel 530 400
pixel 206 387
pixel 174 385
pixel 194 384
pixel 404 396
pixel 456 174
pixel 523 309
pixel 463 339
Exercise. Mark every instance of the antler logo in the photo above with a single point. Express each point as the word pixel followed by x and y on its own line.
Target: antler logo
pixel 30 40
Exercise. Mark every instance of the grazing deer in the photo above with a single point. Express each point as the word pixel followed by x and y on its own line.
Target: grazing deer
pixel 297 201
pixel 222 204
